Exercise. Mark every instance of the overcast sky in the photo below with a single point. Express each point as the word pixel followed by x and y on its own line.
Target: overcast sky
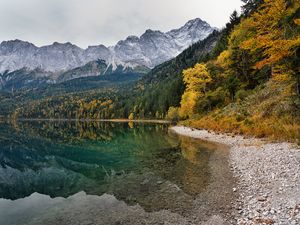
pixel 91 22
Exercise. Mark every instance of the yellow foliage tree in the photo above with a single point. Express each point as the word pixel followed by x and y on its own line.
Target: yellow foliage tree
pixel 196 80
pixel 131 116
pixel 173 113
pixel 223 59
pixel 188 104
pixel 268 32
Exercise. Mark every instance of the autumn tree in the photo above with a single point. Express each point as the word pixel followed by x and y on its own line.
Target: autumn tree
pixel 196 80
pixel 131 116
pixel 270 32
pixel 173 114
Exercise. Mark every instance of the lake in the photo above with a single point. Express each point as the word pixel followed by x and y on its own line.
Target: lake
pixel 67 172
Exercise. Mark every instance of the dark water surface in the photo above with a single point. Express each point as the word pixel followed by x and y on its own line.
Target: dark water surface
pixel 107 173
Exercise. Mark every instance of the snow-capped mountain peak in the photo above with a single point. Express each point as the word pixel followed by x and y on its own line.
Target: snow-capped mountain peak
pixel 193 31
pixel 150 49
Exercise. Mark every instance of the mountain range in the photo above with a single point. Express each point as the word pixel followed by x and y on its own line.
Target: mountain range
pixel 65 61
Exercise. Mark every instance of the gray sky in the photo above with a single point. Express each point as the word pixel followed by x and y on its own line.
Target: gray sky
pixel 91 22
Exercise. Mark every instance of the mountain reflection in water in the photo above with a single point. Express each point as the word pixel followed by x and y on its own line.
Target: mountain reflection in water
pixel 138 163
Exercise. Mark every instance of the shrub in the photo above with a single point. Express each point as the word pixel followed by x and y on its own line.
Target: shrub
pixel 241 94
pixel 131 116
pixel 173 114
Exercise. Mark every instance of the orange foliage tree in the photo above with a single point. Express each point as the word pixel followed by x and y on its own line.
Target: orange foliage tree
pixel 270 32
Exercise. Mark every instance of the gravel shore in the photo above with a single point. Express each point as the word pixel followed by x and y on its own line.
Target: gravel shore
pixel 268 177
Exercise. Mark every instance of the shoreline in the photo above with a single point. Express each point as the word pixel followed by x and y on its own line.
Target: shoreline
pixel 268 177
pixel 98 120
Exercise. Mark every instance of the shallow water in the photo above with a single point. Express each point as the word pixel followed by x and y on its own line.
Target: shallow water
pixel 107 173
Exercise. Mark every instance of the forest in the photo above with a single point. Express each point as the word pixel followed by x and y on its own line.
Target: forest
pixel 243 79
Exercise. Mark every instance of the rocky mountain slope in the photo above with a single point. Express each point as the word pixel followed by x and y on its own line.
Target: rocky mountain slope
pixel 150 49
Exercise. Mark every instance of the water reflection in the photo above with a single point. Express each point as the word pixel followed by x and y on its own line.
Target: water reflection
pixel 80 209
pixel 141 164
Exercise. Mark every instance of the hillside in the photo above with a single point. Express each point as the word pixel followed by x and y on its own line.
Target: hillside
pixel 252 87
pixel 162 85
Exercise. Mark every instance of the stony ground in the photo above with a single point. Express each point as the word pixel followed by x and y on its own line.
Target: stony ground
pixel 268 182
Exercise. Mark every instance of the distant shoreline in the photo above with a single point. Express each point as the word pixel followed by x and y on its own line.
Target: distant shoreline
pixel 99 120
